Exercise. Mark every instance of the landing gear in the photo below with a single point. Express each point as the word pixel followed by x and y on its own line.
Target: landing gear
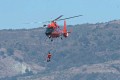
pixel 51 40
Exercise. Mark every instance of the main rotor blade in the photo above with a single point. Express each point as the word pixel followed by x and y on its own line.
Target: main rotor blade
pixel 53 20
pixel 33 22
pixel 38 22
pixel 70 17
pixel 58 18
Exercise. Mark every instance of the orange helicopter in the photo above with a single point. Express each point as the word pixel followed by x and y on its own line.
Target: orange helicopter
pixel 54 31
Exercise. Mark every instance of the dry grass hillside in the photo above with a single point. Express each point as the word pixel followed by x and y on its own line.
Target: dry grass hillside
pixel 91 52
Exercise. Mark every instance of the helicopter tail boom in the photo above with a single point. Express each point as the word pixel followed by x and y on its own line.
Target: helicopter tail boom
pixel 65 32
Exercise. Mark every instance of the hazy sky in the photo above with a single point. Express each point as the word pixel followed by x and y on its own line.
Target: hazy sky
pixel 14 13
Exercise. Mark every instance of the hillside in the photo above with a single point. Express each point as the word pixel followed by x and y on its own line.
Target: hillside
pixel 91 52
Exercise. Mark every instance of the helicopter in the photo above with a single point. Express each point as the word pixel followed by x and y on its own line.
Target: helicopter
pixel 53 30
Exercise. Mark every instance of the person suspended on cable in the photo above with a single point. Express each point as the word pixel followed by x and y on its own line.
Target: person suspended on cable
pixel 49 56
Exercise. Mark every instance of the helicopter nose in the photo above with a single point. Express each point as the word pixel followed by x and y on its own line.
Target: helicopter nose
pixel 47 34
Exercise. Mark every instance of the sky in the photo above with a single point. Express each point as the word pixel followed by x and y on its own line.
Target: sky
pixel 14 14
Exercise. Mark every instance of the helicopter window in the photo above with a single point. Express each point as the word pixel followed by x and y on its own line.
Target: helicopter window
pixel 49 30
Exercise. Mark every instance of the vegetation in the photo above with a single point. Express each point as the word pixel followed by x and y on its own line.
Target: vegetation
pixel 88 46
